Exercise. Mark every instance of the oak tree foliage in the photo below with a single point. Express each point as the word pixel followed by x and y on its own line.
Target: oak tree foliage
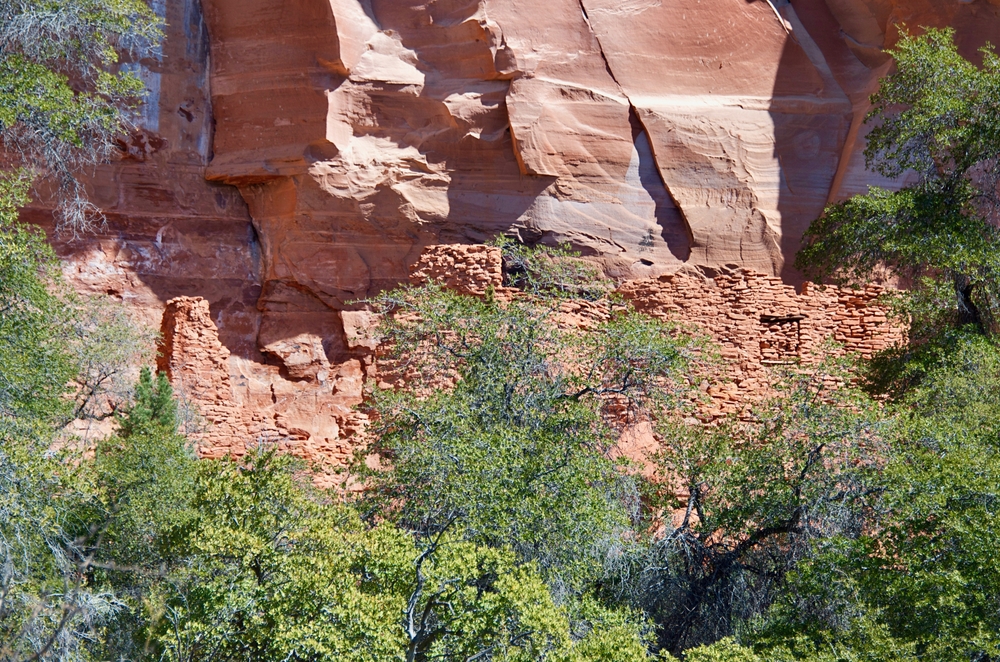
pixel 67 91
pixel 935 126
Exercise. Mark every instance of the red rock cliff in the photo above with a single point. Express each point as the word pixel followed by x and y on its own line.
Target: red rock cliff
pixel 298 155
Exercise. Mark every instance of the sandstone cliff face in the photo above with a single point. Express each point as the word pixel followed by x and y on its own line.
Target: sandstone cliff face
pixel 649 133
pixel 170 232
pixel 298 156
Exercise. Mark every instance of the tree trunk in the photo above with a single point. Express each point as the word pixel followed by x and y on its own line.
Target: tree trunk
pixel 968 313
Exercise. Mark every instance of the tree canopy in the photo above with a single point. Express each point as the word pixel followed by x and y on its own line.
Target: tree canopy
pixel 935 121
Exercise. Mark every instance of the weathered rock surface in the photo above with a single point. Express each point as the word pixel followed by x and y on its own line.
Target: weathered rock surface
pixel 298 156
pixel 170 232
pixel 652 134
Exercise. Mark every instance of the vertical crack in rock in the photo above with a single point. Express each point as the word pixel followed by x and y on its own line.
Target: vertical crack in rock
pixel 774 7
pixel 600 48
pixel 831 86
pixel 648 183
pixel 633 111
pixel 743 141
pixel 801 35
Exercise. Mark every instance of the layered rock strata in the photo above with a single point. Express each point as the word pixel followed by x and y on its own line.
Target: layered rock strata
pixel 650 134
pixel 169 231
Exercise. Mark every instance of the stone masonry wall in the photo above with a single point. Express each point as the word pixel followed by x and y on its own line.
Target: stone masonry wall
pixel 238 407
pixel 760 322
pixel 198 367
pixel 306 404
pixel 466 269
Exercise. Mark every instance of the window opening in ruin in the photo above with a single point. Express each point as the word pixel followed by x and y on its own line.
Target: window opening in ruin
pixel 780 340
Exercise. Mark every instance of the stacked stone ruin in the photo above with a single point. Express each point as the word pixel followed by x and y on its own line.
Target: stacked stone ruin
pixel 758 322
pixel 198 367
pixel 466 269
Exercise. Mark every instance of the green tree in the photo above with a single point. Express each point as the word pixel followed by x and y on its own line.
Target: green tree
pixel 142 481
pixel 244 559
pixel 154 410
pixel 64 98
pixel 936 118
pixel 736 506
pixel 272 571
pixel 65 92
pixel 48 608
pixel 35 366
pixel 921 579
pixel 52 368
pixel 51 533
pixel 62 356
pixel 505 429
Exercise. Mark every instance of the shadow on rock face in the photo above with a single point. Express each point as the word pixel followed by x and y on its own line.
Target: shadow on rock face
pixel 673 228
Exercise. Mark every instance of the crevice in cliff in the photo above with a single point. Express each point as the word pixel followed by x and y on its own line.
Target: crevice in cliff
pixel 634 112
pixel 366 7
pixel 781 19
pixel 800 35
pixel 659 169
pixel 651 179
pixel 600 48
